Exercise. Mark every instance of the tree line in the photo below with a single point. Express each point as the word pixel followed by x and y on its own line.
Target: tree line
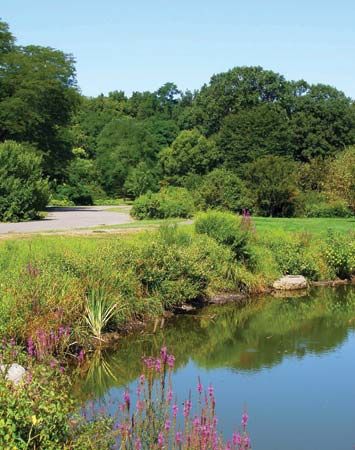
pixel 247 139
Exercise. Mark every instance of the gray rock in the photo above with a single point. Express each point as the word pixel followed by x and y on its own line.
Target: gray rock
pixel 291 283
pixel 14 372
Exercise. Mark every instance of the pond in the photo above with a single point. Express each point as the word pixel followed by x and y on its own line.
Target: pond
pixel 289 361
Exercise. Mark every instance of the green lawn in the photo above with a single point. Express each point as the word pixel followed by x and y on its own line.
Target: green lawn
pixel 311 225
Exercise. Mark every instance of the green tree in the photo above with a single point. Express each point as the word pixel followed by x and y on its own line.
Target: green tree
pixel 141 179
pixel 322 123
pixel 272 179
pixel 38 95
pixel 340 179
pixel 191 152
pixel 121 145
pixel 223 189
pixel 23 191
pixel 238 89
pixel 252 133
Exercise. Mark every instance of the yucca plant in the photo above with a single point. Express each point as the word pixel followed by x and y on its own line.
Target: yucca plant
pixel 99 311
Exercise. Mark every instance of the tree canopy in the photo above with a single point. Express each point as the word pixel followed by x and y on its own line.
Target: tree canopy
pixel 267 138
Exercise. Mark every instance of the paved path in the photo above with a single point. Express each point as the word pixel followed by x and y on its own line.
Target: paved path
pixel 70 218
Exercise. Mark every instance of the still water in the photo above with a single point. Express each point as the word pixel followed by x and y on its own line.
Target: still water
pixel 289 361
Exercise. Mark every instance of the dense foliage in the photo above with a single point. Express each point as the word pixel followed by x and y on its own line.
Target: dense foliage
pixel 169 202
pixel 247 139
pixel 23 191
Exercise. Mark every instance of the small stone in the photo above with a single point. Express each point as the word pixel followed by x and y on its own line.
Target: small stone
pixel 291 283
pixel 14 372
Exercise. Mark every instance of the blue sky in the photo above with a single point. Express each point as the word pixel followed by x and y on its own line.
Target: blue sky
pixel 141 44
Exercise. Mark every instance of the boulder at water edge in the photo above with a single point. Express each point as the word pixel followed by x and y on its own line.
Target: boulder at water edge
pixel 291 283
pixel 13 373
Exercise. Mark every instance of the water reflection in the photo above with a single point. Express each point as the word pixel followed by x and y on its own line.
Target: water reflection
pixel 245 339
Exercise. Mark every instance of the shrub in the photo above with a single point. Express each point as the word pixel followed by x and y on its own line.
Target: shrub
pixel 335 208
pixel 223 189
pixel 340 179
pixel 273 179
pixel 226 229
pixel 39 412
pixel 340 255
pixel 169 202
pixel 293 254
pixel 23 191
pixel 78 194
pixel 61 202
pixel 171 272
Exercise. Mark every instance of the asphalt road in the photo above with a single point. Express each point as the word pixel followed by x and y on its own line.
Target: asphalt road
pixel 69 218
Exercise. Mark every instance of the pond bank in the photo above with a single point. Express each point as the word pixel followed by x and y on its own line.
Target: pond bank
pixel 53 283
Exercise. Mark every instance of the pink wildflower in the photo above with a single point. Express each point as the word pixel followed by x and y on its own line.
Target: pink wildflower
pixel 237 439
pixel 160 440
pixel 178 437
pixel 187 408
pixel 167 425
pixel 175 410
pixel 171 361
pixel 245 418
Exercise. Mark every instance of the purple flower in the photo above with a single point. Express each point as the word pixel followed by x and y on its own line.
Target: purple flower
pixel 163 353
pixel 30 347
pixel 245 418
pixel 160 439
pixel 187 408
pixel 199 387
pixel 211 391
pixel 158 365
pixel 246 442
pixel 196 422
pixel 237 439
pixel 138 444
pixel 178 437
pixel 167 425
pixel 171 361
pixel 175 410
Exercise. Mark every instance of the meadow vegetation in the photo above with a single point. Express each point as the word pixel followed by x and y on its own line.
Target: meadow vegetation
pixel 59 281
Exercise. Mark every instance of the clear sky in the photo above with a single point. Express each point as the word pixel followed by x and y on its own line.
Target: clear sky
pixel 141 44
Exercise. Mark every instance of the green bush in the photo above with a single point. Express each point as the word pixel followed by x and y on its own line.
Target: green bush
pixel 39 413
pixel 62 202
pixel 223 189
pixel 293 254
pixel 23 191
pixel 78 194
pixel 226 229
pixel 35 415
pixel 169 202
pixel 272 179
pixel 335 208
pixel 340 255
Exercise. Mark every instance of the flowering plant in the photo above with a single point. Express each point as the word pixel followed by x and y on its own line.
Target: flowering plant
pixel 157 421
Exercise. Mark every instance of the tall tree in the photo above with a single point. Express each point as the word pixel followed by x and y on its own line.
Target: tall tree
pixel 38 94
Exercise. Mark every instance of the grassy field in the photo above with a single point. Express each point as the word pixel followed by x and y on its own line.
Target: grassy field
pixel 310 225
pixel 317 226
